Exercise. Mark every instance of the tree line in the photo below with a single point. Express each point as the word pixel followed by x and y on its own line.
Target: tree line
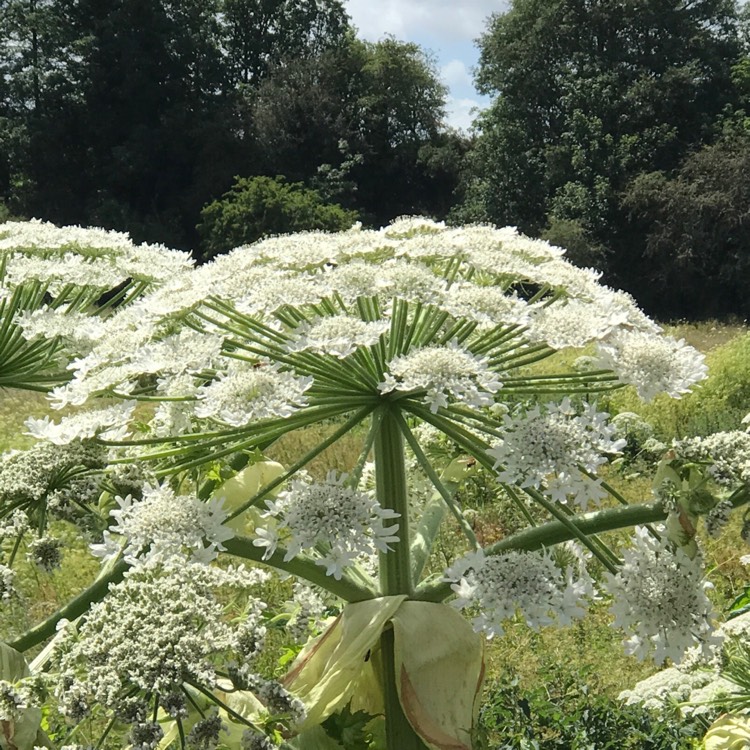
pixel 135 114
pixel 619 129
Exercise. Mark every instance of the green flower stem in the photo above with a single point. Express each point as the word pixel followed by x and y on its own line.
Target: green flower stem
pixel 556 532
pixel 14 551
pixel 73 609
pixel 417 321
pixel 253 441
pixel 617 496
pixel 392 494
pixel 395 567
pixel 309 456
pixel 215 699
pixel 345 589
pixel 496 337
pixel 356 473
pixel 442 490
pixel 399 733
pixel 569 521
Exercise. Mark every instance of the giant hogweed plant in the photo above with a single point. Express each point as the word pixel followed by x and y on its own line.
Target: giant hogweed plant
pixel 403 338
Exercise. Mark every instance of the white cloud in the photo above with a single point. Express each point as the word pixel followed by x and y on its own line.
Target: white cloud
pixel 412 19
pixel 460 113
pixel 455 74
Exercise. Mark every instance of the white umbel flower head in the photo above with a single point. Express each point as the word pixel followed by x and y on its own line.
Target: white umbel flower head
pixel 108 424
pixel 515 583
pixel 343 522
pixel 337 335
pixel 445 372
pixel 546 448
pixel 659 596
pixel 653 364
pixel 163 524
pixel 159 627
pixel 245 393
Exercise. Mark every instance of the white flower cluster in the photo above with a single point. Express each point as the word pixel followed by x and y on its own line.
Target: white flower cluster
pixel 653 364
pixel 296 298
pixel 7 582
pixel 78 331
pixel 245 393
pixel 108 424
pixel 729 453
pixel 659 595
pixel 549 447
pixel 672 684
pixel 161 627
pixel 697 682
pixel 162 525
pixel 61 256
pixel 516 583
pixel 45 552
pixel 337 335
pixel 444 372
pixel 334 522
pixel 152 632
pixel 307 612
pixel 58 477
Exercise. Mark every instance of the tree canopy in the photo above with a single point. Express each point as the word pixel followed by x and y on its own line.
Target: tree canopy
pixel 588 94
pixel 137 114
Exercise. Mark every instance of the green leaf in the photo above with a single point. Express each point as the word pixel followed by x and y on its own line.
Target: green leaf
pixel 21 734
pixel 439 673
pixel 332 666
pixel 740 605
pixel 350 729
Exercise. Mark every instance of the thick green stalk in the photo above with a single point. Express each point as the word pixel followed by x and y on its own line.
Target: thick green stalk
pixel 395 568
pixel 346 588
pixel 72 610
pixel 555 532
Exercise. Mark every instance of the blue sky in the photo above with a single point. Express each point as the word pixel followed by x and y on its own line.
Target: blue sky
pixel 446 28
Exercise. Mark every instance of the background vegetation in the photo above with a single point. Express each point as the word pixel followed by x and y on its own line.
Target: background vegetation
pixel 618 129
pixel 555 689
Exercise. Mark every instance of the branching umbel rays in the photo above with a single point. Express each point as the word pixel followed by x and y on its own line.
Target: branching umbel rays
pixel 434 348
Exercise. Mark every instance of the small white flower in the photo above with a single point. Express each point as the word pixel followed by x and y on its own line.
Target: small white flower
pixel 336 522
pixel 444 372
pixel 659 596
pixel 511 583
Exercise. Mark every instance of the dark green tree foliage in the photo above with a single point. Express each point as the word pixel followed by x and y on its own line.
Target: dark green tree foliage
pixel 263 206
pixel 305 113
pixel 118 113
pixel 588 94
pixel 38 65
pixel 133 114
pixel 263 34
pixel 697 230
pixel 364 122
pixel 153 72
pixel 402 106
